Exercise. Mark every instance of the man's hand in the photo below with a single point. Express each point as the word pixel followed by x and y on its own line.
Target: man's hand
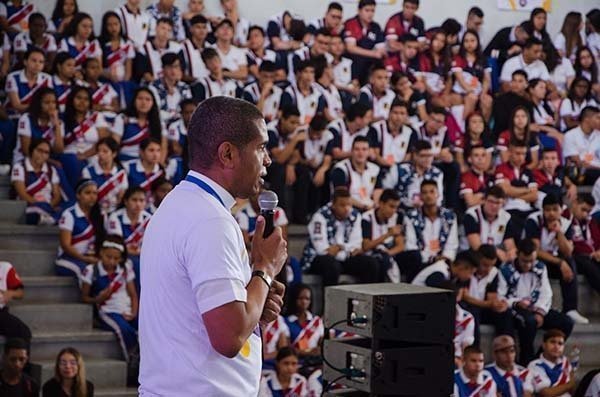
pixel 499 306
pixel 268 254
pixel 273 304
pixel 539 320
pixel 104 294
pixel 565 271
pixel 290 175
pixel 524 304
pixel 333 250
pixel 394 230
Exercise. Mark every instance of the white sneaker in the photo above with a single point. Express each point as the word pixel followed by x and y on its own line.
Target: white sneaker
pixel 4 169
pixel 577 318
pixel 46 220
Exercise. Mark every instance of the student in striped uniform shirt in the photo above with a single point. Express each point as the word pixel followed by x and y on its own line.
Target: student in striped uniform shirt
pixel 377 95
pixel 144 171
pixel 81 226
pixel 193 46
pixel 135 22
pixel 472 380
pixel 21 85
pixel 130 222
pixel 510 377
pixel 63 78
pixel 79 40
pixel 263 92
pixel 303 93
pixel 275 336
pixel 108 283
pixel 306 329
pixel 17 15
pixel 285 380
pixel 153 49
pixel 105 98
pixel 215 84
pixel 257 53
pixel 36 37
pixel 108 174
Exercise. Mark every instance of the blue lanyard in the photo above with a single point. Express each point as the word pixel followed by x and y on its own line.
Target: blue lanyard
pixel 204 186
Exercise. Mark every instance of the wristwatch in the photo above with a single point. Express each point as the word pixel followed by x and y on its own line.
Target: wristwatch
pixel 264 276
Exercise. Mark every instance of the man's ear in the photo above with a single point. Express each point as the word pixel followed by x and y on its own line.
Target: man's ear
pixel 228 154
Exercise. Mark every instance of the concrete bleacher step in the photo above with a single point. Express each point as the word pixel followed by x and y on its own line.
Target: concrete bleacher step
pixel 24 237
pixel 56 317
pixel 30 262
pixel 91 344
pixel 4 187
pixel 589 299
pixel 116 392
pixel 50 289
pixel 103 373
pixel 12 211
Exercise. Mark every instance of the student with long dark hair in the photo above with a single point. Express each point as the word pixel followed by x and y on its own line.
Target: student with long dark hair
pixel 22 84
pixel 36 37
pixel 569 39
pixel 63 77
pixel 434 66
pixel 586 67
pixel 69 376
pixel 79 40
pixel 579 97
pixel 306 329
pixel 285 380
pixel 519 129
pixel 537 27
pixel 62 15
pixel 543 115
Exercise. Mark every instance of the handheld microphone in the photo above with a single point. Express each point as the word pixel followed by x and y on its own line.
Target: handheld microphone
pixel 267 201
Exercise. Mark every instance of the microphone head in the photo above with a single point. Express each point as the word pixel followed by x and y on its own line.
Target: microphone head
pixel 267 200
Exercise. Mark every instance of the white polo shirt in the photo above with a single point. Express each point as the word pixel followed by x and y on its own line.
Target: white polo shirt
pixel 535 70
pixel 587 147
pixel 193 260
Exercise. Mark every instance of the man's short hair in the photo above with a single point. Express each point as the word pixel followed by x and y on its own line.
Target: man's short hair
pixel 305 64
pixel 495 191
pixel 554 333
pixel 530 42
pixel 198 19
pixel 208 54
pixel 256 27
pixel 355 110
pixel 340 192
pixel 289 111
pixel 588 111
pixel 399 102
pixel 438 110
pixel 360 139
pixel 487 251
pixel 375 67
pixel 415 2
pixel 551 199
pixel 428 182
pixel 16 344
pixel 364 3
pixel 518 143
pixel 451 26
pixel 465 258
pixel 169 59
pixel 471 350
pixel 406 37
pixel 550 149
pixel 422 145
pixel 389 194
pixel 478 12
pixel 586 198
pixel 526 246
pixel 166 20
pixel 221 119
pixel 318 123
pixel 267 66
pixel 322 32
pixel 223 22
pixel 519 72
pixel 334 5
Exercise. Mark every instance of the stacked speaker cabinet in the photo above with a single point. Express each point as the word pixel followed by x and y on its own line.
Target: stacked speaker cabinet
pixel 405 338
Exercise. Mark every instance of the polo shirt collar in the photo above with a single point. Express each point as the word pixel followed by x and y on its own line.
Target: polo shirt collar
pixel 226 197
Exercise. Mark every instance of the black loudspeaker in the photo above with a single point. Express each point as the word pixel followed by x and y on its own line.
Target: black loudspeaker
pixel 392 368
pixel 398 312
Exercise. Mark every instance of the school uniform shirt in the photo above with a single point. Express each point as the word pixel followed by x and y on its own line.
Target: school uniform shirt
pixel 315 150
pixel 543 114
pixel 535 70
pixel 23 43
pixel 464 330
pixel 119 300
pixel 83 234
pixel 380 105
pixel 342 72
pixel 561 75
pixel 233 59
pixel 342 138
pixel 9 279
pixel 333 100
pixel 305 335
pixel 17 82
pixel 132 232
pixel 593 42
pixel 367 37
pixel 253 58
pixel 153 56
pixel 240 33
pixel 495 232
pixel 177 132
pixel 137 176
pixel 83 137
pixel 510 383
pixel 132 134
pixel 438 140
pixel 544 373
pixel 270 386
pixel 275 27
pixel 479 287
pixel 473 74
pixel 273 332
pixel 431 238
pixel 90 49
pixel 193 60
pixel 373 228
pixel 549 184
pixel 62 91
pixel 571 108
pixel 533 145
pixel 315 383
pixel 135 25
pixel 174 15
pixel 433 275
pixel 104 95
pixel 114 60
pixel 209 87
pixel 397 26
pixel 308 105
pixel 523 177
pixel 585 146
pixel 535 227
pixel 393 149
pixel 37 184
pixel 473 182
pixel 110 184
pixel 483 387
pixel 361 185
pixel 246 218
pixel 586 236
pixel 168 103
pixel 403 178
pixel 271 103
pixel 534 285
pixel 17 16
pixel 30 128
pixel 203 254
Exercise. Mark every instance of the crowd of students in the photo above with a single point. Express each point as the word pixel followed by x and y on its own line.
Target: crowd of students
pixel 412 153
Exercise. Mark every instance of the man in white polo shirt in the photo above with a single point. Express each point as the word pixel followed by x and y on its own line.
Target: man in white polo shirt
pixel 203 296
pixel 529 61
pixel 582 144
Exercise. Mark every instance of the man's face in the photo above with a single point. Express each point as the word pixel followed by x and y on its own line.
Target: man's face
pixel 398 115
pixel 214 65
pixel 554 348
pixel 581 210
pixel 479 158
pixel 321 44
pixel 473 364
pixel 462 272
pixel 37 27
pixel 550 162
pixel 492 206
pixel 435 122
pixel 379 80
pixel 173 72
pixel 186 113
pixel 265 77
pixel 253 162
pixel 551 212
pixel 15 360
pixel 388 208
pixel 526 262
pixel 517 155
pixel 307 75
pixel 342 207
pixel 485 266
pixel 256 39
pixel 199 31
pixel 429 195
pixel 474 23
pixel 424 159
pixel 333 19
pixel 506 357
pixel 224 33
pixel 336 46
pixel 410 49
pixel 533 53
pixel 518 83
pixel 164 31
pixel 289 124
pixel 409 10
pixel 367 13
pixel 360 152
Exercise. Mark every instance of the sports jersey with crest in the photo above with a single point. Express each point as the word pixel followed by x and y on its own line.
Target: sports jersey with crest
pixel 360 184
pixel 308 105
pixel 393 148
pixel 380 105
